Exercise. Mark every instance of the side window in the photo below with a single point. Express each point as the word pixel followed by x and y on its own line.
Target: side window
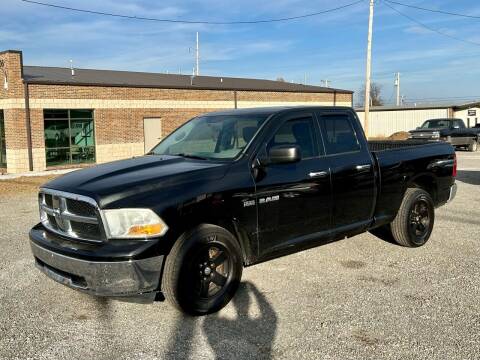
pixel 340 136
pixel 299 132
pixel 459 124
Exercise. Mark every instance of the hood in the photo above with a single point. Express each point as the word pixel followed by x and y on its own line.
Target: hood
pixel 429 130
pixel 109 182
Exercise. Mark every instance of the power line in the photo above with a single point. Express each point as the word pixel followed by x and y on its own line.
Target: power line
pixel 433 10
pixel 132 17
pixel 386 2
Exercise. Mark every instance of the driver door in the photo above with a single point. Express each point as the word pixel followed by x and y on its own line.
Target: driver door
pixel 294 199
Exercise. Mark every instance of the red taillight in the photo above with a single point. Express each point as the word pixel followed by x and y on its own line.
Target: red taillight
pixel 454 172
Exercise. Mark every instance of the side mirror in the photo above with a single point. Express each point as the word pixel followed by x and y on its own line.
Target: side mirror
pixel 284 154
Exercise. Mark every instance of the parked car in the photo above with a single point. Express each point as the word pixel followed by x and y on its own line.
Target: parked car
pixel 56 132
pixel 453 131
pixel 232 189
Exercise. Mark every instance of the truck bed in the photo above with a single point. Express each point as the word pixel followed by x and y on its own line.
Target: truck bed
pixel 398 163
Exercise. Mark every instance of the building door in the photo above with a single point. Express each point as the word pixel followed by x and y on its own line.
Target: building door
pixel 152 132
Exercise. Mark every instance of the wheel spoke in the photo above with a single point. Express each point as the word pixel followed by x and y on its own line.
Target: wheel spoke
pixel 219 279
pixel 220 258
pixel 204 287
pixel 421 227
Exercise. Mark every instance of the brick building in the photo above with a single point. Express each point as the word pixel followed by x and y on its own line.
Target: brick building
pixel 55 117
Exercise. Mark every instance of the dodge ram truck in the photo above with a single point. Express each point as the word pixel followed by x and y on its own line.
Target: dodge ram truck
pixel 228 190
pixel 452 131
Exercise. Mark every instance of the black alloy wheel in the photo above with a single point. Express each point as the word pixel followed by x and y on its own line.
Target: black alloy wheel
pixel 414 222
pixel 420 220
pixel 211 270
pixel 203 270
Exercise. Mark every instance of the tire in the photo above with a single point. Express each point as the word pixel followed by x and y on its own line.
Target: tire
pixel 203 270
pixel 413 224
pixel 473 146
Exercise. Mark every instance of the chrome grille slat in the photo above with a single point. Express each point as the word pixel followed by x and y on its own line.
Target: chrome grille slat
pixel 69 216
pixel 59 209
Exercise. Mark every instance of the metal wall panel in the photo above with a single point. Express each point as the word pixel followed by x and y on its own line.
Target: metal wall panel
pixel 385 123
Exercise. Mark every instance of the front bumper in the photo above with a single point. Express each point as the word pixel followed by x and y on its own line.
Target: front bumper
pixel 102 278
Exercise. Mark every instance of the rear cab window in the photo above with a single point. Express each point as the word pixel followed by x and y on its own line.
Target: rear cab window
pixel 339 135
pixel 459 124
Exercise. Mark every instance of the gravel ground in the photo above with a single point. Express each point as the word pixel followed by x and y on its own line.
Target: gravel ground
pixel 354 299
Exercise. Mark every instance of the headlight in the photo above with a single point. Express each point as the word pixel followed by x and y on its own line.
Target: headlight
pixel 436 135
pixel 133 223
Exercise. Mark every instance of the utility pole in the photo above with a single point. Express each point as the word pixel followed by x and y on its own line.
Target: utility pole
pixel 397 86
pixel 197 59
pixel 305 79
pixel 368 69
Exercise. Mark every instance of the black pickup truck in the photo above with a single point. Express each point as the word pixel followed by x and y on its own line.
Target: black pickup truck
pixel 232 189
pixel 450 130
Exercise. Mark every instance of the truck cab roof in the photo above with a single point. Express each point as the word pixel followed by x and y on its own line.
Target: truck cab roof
pixel 274 110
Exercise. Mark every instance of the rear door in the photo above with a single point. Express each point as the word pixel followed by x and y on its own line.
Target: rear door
pixel 294 200
pixel 352 168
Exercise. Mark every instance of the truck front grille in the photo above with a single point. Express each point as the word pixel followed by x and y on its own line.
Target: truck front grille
pixel 71 215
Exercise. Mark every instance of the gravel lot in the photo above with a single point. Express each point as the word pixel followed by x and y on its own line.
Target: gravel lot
pixel 354 299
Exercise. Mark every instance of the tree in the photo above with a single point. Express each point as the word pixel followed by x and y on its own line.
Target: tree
pixel 375 95
pixel 280 78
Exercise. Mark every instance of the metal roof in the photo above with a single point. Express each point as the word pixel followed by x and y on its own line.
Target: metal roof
pixel 58 75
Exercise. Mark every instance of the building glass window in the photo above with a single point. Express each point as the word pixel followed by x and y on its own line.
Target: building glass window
pixel 69 137
pixel 3 147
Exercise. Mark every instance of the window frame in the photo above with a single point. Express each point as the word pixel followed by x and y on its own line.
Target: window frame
pixel 70 147
pixel 353 125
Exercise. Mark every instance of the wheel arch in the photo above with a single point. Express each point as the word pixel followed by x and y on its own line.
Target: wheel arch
pixel 426 182
pixel 233 226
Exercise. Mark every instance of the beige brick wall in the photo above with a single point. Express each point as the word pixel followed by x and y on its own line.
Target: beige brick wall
pixel 12 64
pixel 111 152
pixel 17 160
pixel 12 102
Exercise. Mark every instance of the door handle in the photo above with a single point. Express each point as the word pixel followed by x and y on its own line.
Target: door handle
pixel 363 167
pixel 318 174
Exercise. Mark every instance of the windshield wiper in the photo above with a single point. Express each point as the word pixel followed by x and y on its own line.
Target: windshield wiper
pixel 190 156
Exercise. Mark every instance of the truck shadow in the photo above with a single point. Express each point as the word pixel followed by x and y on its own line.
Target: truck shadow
pixel 244 336
pixel 471 177
pixel 383 234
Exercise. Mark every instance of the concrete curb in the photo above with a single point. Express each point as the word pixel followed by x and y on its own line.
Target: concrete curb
pixel 36 173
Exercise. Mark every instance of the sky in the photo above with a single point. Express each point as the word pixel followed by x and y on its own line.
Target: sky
pixel 433 68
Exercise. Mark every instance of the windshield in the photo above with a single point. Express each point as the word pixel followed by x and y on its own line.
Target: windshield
pixel 436 124
pixel 211 137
